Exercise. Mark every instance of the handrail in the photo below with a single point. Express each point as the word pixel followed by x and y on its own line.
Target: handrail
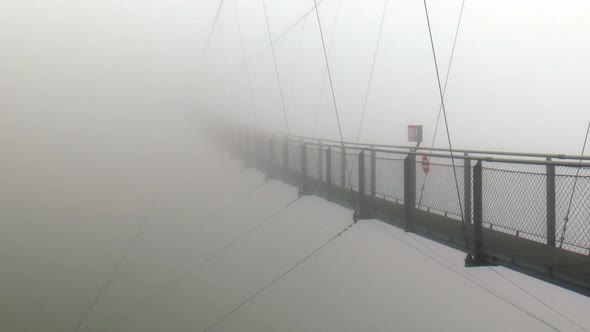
pixel 411 151
pixel 468 151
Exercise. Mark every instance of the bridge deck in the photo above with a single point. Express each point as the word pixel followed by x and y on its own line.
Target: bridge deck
pixel 558 266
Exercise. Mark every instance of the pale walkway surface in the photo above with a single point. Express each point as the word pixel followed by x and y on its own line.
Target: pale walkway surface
pixel 66 226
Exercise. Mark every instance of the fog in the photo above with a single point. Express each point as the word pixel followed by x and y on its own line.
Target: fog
pixel 105 166
pixel 518 79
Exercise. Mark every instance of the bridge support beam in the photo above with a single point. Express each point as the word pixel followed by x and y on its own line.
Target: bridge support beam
pixel 270 165
pixel 467 190
pixel 303 190
pixel 373 173
pixel 320 160
pixel 285 159
pixel 410 191
pixel 343 169
pixel 476 258
pixel 329 170
pixel 361 211
pixel 550 204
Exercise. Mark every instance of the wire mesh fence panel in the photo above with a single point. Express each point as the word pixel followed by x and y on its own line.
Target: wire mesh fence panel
pixel 313 162
pixel 337 167
pixel 352 175
pixel 389 173
pixel 515 199
pixel 572 208
pixel 436 189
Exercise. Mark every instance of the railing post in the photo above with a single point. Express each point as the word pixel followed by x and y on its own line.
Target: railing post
pixel 286 157
pixel 361 181
pixel 550 204
pixel 320 160
pixel 410 191
pixel 467 189
pixel 259 159
pixel 477 210
pixel 373 173
pixel 329 165
pixel 343 169
pixel 303 189
pixel 271 156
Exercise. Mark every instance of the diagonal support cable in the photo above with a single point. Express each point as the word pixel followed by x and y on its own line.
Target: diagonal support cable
pixel 358 135
pixel 348 171
pixel 274 57
pixel 444 93
pixel 274 281
pixel 208 42
pixel 442 101
pixel 246 67
pixel 318 104
pixel 569 207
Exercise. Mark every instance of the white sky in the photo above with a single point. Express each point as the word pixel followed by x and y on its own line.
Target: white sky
pixel 97 137
pixel 519 80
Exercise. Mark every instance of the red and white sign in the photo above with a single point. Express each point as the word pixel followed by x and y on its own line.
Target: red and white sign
pixel 425 164
pixel 415 133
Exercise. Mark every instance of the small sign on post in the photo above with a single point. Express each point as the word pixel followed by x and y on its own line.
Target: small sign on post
pixel 415 133
pixel 425 164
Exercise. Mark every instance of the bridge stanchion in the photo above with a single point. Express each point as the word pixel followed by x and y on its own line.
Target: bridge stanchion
pixel 410 191
pixel 361 212
pixel 467 190
pixel 343 169
pixel 286 160
pixel 329 171
pixel 257 151
pixel 550 204
pixel 477 211
pixel 373 173
pixel 361 197
pixel 320 160
pixel 271 158
pixel 303 188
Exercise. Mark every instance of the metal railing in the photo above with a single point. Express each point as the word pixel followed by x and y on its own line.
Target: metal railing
pixel 524 195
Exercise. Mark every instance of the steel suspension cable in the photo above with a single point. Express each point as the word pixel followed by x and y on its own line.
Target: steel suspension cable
pixel 547 305
pixel 274 57
pixel 184 276
pixel 318 104
pixel 109 279
pixel 212 29
pixel 472 279
pixel 348 171
pixel 246 68
pixel 298 60
pixel 444 92
pixel 468 274
pixel 448 71
pixel 274 281
pixel 442 101
pixel 285 32
pixel 569 207
pixel 372 70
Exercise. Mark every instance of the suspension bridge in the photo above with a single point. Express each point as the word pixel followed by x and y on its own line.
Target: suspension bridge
pixel 526 211
pixel 128 218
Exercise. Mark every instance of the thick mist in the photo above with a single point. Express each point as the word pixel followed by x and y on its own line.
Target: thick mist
pixel 517 81
pixel 105 166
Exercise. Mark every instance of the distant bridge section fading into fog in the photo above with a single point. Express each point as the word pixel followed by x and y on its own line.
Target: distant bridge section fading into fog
pixel 525 211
